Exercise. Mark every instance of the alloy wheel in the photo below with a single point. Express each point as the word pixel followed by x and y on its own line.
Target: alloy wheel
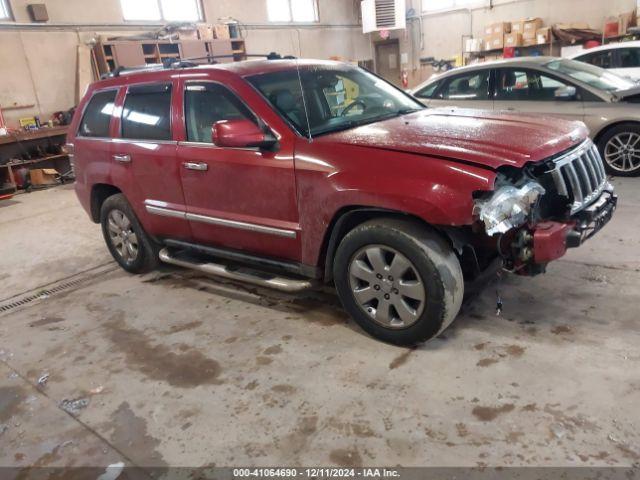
pixel 387 286
pixel 122 236
pixel 622 152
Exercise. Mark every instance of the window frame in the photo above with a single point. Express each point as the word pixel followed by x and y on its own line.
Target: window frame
pixel 541 73
pixel 199 6
pixel 7 7
pixel 261 123
pixel 316 9
pixel 121 118
pixel 111 119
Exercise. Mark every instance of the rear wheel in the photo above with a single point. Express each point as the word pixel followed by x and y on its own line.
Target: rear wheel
pixel 620 150
pixel 400 281
pixel 127 241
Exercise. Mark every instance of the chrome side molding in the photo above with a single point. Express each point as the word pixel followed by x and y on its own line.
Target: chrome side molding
pixel 259 278
pixel 156 207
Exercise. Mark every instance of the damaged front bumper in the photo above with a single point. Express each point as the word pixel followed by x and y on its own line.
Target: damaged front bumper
pixel 552 239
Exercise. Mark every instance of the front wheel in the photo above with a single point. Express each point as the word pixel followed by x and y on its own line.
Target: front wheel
pixel 400 281
pixel 127 241
pixel 620 150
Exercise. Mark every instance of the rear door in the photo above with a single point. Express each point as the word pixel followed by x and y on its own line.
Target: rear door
pixel 144 159
pixel 466 90
pixel 532 91
pixel 238 198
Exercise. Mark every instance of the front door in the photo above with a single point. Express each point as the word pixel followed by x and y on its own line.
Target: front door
pixel 238 198
pixel 388 61
pixel 531 91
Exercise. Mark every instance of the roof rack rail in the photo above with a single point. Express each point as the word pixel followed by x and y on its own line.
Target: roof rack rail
pixel 116 72
pixel 211 59
pixel 189 62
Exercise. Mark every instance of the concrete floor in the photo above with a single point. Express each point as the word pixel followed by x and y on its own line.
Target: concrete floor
pixel 172 369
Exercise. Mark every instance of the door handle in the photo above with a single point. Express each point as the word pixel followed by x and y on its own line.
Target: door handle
pixel 195 166
pixel 122 158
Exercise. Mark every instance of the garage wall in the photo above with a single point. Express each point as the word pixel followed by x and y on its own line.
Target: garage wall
pixel 39 62
pixel 443 32
pixel 443 43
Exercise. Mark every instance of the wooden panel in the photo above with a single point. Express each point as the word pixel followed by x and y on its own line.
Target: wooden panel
pixel 193 49
pixel 128 54
pixel 221 47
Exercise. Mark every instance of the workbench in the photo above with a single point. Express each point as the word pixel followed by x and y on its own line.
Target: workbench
pixel 15 146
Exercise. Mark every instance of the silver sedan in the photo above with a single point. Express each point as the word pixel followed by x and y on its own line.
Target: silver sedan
pixel 609 104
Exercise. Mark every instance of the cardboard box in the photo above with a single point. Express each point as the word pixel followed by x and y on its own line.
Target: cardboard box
pixel 530 28
pixel 205 31
pixel 517 27
pixel 221 31
pixel 43 176
pixel 611 27
pixel 488 30
pixel 513 40
pixel 501 28
pixel 580 25
pixel 494 42
pixel 543 35
pixel 626 20
pixel 474 45
pixel 529 42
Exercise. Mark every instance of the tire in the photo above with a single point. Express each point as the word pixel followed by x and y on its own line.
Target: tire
pixel 627 162
pixel 413 317
pixel 117 219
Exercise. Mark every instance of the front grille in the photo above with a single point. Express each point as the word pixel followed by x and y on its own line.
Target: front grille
pixel 580 176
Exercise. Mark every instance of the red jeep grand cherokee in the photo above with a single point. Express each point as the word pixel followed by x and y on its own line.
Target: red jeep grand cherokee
pixel 231 170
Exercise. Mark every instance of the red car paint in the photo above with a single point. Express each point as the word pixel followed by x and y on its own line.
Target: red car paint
pixel 427 164
pixel 550 241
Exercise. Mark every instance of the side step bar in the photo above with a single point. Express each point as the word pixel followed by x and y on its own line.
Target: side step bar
pixel 261 279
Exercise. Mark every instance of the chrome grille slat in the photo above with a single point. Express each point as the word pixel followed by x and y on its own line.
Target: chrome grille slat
pixel 580 175
pixel 575 183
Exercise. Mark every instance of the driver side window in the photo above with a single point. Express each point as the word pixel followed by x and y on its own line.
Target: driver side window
pixel 472 86
pixel 206 103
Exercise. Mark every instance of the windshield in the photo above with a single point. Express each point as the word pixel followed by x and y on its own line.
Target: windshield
pixel 336 97
pixel 595 76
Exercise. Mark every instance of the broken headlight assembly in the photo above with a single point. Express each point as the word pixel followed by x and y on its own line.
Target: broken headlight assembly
pixel 508 207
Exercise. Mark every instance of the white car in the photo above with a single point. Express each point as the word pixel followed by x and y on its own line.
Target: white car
pixel 621 58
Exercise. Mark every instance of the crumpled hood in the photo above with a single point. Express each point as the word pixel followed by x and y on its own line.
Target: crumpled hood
pixel 490 139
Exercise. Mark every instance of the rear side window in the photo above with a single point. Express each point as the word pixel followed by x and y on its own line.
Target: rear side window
pixel 629 57
pixel 599 59
pixel 97 116
pixel 207 103
pixel 146 114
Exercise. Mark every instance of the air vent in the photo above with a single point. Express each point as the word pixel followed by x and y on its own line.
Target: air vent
pixel 383 15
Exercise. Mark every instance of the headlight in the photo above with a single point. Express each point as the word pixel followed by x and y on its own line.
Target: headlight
pixel 508 207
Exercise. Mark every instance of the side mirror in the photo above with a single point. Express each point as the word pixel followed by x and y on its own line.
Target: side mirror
pixel 240 134
pixel 565 93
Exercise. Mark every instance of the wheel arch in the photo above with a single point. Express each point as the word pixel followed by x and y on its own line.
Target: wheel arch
pixel 349 217
pixel 606 128
pixel 99 193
